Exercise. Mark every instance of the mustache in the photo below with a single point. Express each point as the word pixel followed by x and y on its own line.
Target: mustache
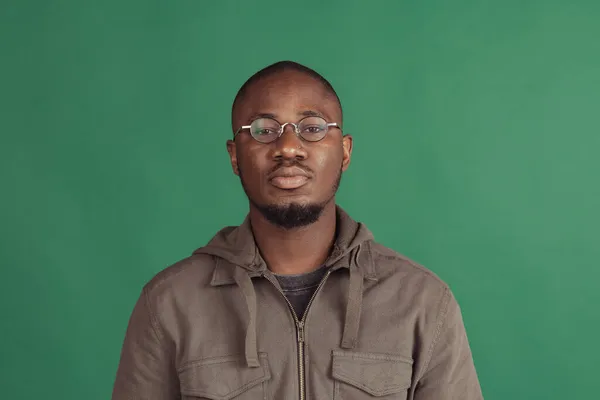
pixel 290 164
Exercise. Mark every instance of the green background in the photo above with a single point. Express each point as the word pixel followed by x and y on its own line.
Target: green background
pixel 476 154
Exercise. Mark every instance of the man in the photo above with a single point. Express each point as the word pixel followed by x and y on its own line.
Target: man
pixel 299 301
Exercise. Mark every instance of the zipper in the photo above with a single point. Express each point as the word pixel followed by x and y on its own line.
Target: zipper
pixel 300 332
pixel 301 373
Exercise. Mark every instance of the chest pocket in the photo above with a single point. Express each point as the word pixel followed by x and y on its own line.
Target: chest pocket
pixel 225 378
pixel 370 375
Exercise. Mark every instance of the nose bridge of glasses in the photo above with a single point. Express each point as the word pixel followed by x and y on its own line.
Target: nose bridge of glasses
pixel 284 125
pixel 288 141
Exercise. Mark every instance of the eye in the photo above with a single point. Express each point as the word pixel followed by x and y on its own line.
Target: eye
pixel 265 131
pixel 265 127
pixel 312 129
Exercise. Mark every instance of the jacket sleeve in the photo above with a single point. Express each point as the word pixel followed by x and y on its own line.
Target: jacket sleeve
pixel 146 368
pixel 450 373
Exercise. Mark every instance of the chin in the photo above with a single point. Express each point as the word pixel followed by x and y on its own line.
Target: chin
pixel 292 201
pixel 289 197
pixel 291 214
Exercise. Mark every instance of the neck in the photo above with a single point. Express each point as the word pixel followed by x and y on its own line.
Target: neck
pixel 294 251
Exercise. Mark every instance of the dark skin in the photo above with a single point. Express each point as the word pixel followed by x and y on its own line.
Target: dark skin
pixel 288 96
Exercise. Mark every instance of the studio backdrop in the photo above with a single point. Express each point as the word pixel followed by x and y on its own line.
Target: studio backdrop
pixel 476 140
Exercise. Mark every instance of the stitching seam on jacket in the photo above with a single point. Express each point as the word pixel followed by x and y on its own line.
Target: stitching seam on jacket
pixel 441 319
pixel 153 319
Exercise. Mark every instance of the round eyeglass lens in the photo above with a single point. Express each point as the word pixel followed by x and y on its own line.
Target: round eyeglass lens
pixel 312 128
pixel 264 130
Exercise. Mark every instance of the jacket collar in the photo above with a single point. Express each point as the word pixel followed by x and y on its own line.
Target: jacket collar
pixel 351 247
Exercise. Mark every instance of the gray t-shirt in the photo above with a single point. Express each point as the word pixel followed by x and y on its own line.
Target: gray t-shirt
pixel 299 288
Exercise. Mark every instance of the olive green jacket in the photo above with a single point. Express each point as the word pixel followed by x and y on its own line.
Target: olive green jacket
pixel 217 326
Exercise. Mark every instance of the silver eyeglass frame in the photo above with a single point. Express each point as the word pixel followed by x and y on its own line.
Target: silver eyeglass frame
pixel 296 129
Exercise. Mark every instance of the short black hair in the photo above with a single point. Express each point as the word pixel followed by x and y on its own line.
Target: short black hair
pixel 281 66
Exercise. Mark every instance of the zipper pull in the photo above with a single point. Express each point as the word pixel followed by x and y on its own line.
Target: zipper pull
pixel 300 331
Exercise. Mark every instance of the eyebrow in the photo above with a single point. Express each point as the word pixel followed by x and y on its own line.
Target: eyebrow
pixel 261 115
pixel 311 113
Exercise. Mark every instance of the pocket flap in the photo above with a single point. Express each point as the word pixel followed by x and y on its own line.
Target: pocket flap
pixel 376 374
pixel 222 378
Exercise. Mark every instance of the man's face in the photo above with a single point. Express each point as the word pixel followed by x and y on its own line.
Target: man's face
pixel 290 180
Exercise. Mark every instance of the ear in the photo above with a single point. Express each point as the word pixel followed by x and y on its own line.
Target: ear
pixel 232 150
pixel 347 148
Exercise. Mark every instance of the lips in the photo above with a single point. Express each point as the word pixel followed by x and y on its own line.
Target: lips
pixel 289 178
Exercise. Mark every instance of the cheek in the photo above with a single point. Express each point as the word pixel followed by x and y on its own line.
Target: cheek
pixel 251 168
pixel 329 161
pixel 245 156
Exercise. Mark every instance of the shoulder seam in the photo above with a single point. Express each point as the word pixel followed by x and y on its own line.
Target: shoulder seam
pixel 401 258
pixel 153 318
pixel 157 281
pixel 440 321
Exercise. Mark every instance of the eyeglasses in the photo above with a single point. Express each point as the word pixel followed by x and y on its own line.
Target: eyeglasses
pixel 267 130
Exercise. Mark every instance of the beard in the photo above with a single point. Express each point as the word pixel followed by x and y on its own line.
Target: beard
pixel 292 215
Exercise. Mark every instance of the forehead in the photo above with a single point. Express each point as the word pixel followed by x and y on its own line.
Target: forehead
pixel 286 94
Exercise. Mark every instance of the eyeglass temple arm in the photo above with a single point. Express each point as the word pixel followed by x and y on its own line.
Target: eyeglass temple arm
pixel 334 124
pixel 242 127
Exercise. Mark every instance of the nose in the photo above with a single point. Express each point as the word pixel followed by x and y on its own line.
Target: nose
pixel 289 146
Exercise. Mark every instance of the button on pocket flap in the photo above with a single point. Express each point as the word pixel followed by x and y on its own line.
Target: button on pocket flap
pixel 222 378
pixel 376 374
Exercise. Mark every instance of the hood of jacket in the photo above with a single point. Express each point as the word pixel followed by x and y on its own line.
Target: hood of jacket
pixel 235 245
